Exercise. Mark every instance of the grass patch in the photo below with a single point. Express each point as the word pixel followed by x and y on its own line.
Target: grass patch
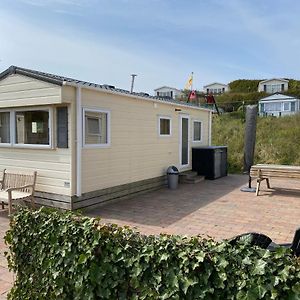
pixel 277 139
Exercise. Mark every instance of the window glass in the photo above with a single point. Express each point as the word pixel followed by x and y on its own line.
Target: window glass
pixel 293 106
pixel 164 126
pixel 95 127
pixel 273 106
pixel 286 106
pixel 197 131
pixel 4 127
pixel 32 127
pixel 62 130
pixel 273 88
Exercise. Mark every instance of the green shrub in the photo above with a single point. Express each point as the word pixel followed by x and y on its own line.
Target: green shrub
pixel 59 255
pixel 244 85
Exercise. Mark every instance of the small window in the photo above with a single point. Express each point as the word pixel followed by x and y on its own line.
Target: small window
pixel 32 127
pixel 197 131
pixel 286 106
pixel 96 124
pixel 4 127
pixel 164 126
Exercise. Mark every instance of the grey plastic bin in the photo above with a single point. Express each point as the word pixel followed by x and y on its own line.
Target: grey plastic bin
pixel 172 177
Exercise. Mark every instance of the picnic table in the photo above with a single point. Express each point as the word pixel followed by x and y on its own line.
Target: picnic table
pixel 265 172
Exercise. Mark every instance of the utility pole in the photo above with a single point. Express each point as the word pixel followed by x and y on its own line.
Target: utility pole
pixel 132 82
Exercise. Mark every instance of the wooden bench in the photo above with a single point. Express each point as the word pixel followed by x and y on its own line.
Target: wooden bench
pixel 16 186
pixel 265 172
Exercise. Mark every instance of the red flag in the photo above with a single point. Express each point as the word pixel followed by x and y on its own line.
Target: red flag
pixel 193 95
pixel 210 99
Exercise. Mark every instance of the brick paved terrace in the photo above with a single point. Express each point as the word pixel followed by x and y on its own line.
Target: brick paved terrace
pixel 215 208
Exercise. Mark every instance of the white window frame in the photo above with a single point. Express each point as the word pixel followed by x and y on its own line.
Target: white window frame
pixel 13 143
pixel 158 125
pixel 108 129
pixel 201 133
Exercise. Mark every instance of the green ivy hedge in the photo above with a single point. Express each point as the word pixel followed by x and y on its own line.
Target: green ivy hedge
pixel 59 255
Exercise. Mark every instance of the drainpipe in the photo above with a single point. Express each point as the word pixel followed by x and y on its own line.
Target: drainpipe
pixel 78 140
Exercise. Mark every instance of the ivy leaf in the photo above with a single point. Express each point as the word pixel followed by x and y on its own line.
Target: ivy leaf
pixel 164 256
pixel 186 283
pixel 259 268
pixel 284 273
pixel 260 291
pixel 247 261
pixel 82 259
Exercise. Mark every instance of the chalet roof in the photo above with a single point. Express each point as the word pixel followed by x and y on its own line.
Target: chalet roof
pixel 278 79
pixel 62 80
pixel 223 84
pixel 278 96
pixel 167 87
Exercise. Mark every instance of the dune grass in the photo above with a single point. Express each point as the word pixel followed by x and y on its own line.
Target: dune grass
pixel 277 139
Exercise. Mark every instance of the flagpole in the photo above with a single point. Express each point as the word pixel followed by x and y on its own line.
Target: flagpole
pixel 192 81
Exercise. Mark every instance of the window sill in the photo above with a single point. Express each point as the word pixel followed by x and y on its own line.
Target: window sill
pixel 26 146
pixel 96 146
pixel 165 135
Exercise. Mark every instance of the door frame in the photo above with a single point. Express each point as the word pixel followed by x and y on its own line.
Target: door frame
pixel 184 116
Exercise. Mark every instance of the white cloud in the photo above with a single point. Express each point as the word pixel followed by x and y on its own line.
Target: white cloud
pixel 98 57
pixel 72 54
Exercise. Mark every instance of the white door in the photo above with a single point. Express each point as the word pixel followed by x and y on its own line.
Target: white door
pixel 184 130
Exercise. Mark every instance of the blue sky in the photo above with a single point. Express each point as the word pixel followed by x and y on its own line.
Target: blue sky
pixel 104 41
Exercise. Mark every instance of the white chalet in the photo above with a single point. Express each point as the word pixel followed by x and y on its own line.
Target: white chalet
pixel 278 105
pixel 215 88
pixel 167 92
pixel 273 85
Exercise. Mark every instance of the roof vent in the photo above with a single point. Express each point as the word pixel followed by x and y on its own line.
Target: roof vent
pixel 107 86
pixel 143 94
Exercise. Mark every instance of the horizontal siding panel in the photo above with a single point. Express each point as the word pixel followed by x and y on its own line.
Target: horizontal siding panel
pixel 126 172
pixel 63 175
pixel 33 164
pixel 126 166
pixel 25 86
pixel 29 94
pixel 132 155
pixel 51 157
pixel 15 79
pixel 51 181
pixel 38 101
pixel 53 189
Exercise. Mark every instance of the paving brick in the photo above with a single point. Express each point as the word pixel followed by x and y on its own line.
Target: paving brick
pixel 203 207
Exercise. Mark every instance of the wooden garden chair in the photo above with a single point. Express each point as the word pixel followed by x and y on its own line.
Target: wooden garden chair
pixel 16 187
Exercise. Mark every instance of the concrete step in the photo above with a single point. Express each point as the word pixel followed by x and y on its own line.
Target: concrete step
pixel 190 177
pixel 194 180
pixel 188 174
